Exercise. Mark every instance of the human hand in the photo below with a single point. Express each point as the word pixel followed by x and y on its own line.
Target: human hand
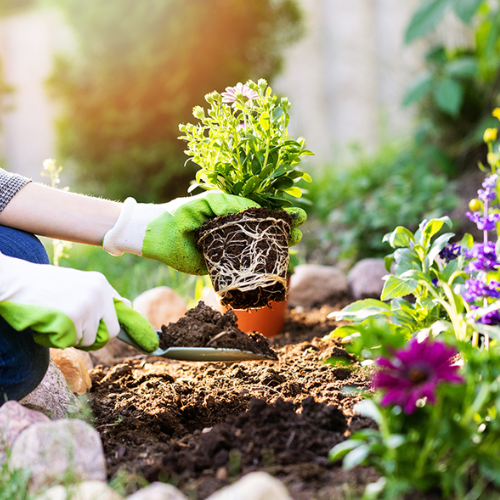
pixel 166 232
pixel 65 307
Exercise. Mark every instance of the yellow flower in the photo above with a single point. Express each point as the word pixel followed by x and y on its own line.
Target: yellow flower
pixel 490 135
pixel 492 158
pixel 496 113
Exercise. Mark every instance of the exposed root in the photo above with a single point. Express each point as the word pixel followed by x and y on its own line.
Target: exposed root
pixel 247 254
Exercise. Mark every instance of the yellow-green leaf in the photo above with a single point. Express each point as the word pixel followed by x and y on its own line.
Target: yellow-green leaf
pixel 264 120
pixel 294 191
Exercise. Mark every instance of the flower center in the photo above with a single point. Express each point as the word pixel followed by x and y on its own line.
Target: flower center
pixel 417 374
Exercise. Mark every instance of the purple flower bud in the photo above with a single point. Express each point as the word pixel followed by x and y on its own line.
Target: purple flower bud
pixel 476 289
pixel 484 223
pixel 484 257
pixel 450 252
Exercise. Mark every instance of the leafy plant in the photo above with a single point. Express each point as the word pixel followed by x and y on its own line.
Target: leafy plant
pixel 437 428
pixel 449 445
pixel 356 204
pixel 245 149
pixel 136 71
pixel 459 85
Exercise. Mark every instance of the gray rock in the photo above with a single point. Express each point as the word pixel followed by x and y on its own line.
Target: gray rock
pixel 253 486
pixel 55 450
pixel 15 418
pixel 365 278
pixel 312 284
pixel 53 395
pixel 158 491
pixel 88 490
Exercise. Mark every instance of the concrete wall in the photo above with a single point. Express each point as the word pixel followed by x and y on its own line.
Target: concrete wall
pixel 345 79
pixel 27 44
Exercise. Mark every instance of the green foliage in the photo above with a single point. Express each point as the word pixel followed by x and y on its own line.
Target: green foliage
pixel 459 86
pixel 14 483
pixel 246 150
pixel 137 70
pixel 449 446
pixel 357 204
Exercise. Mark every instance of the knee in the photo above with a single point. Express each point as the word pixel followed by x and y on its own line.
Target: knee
pixel 22 245
pixel 23 363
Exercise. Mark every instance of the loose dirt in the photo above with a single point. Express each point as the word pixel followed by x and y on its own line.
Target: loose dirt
pixel 203 326
pixel 203 425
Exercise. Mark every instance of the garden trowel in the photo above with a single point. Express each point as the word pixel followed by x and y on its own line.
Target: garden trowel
pixel 197 353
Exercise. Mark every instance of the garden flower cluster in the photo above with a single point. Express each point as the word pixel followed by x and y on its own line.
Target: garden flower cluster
pixel 437 357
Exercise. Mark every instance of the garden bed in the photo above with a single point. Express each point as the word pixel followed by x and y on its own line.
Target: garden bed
pixel 203 425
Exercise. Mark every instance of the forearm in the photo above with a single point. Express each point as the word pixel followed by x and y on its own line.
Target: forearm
pixel 45 211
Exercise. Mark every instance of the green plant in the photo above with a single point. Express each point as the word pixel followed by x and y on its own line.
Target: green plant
pixel 437 428
pixel 136 71
pixel 459 85
pixel 356 204
pixel 245 149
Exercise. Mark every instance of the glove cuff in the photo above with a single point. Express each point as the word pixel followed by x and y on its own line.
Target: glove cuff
pixel 128 233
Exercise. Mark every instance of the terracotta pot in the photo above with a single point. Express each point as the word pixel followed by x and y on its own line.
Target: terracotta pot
pixel 267 321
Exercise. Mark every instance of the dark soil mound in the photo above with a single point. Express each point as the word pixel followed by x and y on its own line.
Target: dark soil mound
pixel 203 425
pixel 206 327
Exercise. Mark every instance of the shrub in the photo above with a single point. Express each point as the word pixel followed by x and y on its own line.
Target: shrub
pixel 355 206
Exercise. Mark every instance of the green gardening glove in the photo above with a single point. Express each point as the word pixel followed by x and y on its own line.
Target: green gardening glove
pixel 67 308
pixel 166 232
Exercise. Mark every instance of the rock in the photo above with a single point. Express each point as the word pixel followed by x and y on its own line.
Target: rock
pixel 158 491
pixel 312 284
pixel 253 486
pixel 53 396
pixel 53 450
pixel 209 296
pixel 88 490
pixel 73 368
pixel 86 359
pixel 14 418
pixel 160 306
pixel 365 278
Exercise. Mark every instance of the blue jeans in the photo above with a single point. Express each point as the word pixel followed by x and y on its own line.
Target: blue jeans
pixel 23 362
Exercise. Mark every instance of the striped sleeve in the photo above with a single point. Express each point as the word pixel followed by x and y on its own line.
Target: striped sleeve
pixel 10 184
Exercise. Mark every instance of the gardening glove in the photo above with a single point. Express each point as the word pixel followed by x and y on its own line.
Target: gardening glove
pixel 166 232
pixel 65 307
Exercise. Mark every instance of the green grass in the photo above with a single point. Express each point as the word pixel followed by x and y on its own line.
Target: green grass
pixel 131 275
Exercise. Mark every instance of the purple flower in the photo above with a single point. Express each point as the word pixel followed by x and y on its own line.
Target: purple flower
pixel 484 257
pixel 414 373
pixel 476 289
pixel 232 93
pixel 491 318
pixel 450 252
pixel 484 223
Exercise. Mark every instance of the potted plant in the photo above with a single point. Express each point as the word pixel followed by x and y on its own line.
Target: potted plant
pixel 243 148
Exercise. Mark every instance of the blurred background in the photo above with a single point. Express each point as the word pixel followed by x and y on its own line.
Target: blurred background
pixel 392 96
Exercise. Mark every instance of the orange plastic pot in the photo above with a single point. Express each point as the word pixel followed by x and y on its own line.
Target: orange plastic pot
pixel 268 321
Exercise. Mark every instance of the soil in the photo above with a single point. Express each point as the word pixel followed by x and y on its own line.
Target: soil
pixel 256 245
pixel 203 425
pixel 203 326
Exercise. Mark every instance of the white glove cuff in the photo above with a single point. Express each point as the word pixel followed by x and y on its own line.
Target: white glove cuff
pixel 128 233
